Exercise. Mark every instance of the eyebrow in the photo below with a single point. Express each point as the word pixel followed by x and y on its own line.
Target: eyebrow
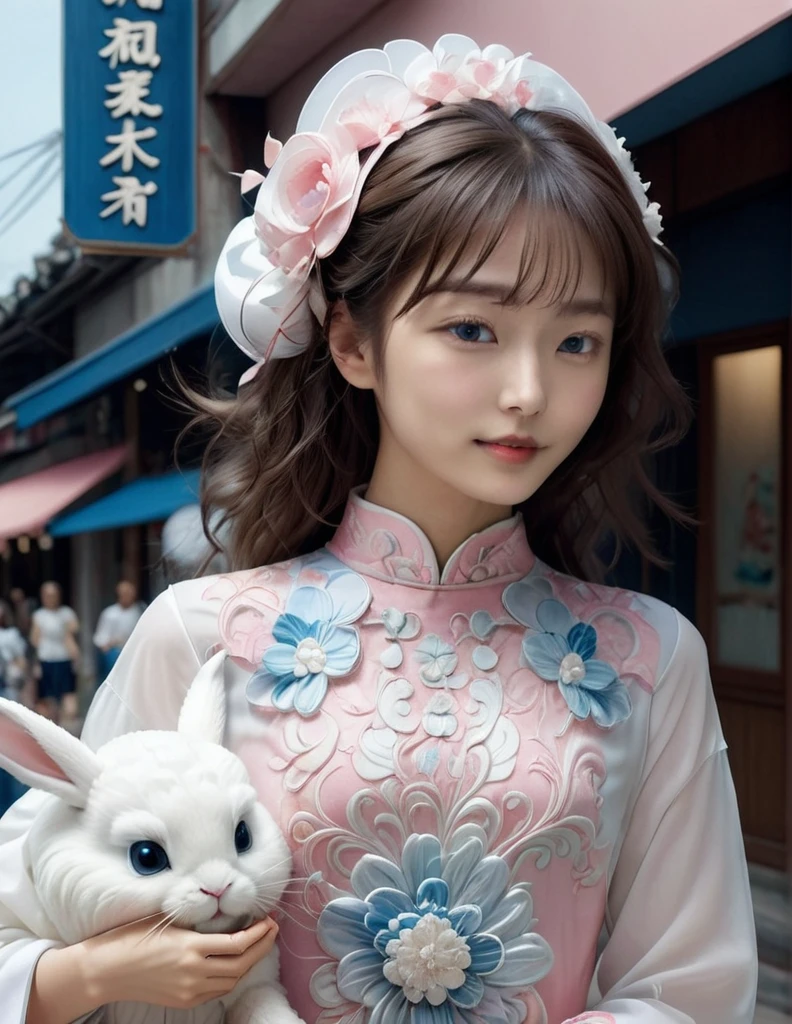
pixel 504 295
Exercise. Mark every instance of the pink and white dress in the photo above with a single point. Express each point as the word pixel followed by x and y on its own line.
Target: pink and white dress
pixel 506 791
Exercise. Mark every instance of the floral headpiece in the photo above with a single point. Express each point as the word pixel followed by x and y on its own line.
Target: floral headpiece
pixel 266 288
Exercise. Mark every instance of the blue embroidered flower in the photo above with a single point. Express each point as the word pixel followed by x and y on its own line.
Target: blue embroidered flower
pixel 440 939
pixel 564 654
pixel 314 644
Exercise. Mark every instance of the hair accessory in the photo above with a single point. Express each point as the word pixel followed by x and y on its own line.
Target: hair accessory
pixel 267 293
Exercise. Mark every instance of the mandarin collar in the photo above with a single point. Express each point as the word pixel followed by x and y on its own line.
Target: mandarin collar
pixel 378 542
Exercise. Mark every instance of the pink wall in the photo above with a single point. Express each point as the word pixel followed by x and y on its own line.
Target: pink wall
pixel 617 53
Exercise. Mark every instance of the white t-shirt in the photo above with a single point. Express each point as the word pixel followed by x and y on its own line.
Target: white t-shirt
pixel 115 624
pixel 53 629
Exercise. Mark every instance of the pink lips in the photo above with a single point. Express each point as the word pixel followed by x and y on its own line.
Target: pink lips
pixel 511 449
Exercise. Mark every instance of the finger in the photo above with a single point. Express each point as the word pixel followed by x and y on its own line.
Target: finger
pixel 237 966
pixel 233 944
pixel 258 950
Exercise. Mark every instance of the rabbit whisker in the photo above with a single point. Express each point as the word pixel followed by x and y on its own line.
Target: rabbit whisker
pixel 277 886
pixel 277 864
pixel 160 926
pixel 289 881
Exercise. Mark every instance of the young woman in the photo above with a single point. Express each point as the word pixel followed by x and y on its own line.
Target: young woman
pixel 53 634
pixel 505 787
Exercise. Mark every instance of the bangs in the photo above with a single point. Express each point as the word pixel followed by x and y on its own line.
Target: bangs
pixel 440 201
pixel 454 240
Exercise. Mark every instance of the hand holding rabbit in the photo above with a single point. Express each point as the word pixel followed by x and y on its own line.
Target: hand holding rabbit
pixel 163 966
pixel 154 862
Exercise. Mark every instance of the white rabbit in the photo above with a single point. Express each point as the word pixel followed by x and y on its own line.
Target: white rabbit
pixel 154 822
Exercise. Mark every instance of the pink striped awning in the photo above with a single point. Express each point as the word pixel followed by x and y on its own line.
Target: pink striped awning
pixel 28 504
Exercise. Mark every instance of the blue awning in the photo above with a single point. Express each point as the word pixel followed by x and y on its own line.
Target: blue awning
pixel 139 346
pixel 146 500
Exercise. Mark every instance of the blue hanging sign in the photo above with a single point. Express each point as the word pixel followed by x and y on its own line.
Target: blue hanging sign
pixel 130 149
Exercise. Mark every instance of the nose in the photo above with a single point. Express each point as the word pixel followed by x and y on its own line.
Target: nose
pixel 524 388
pixel 214 892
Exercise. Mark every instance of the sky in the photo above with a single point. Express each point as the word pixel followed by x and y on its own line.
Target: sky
pixel 30 87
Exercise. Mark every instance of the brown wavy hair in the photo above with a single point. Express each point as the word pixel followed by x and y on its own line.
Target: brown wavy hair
pixel 286 450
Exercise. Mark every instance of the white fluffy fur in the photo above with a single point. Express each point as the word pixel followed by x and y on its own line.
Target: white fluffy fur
pixel 181 789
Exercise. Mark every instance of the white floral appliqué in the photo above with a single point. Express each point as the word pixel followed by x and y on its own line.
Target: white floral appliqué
pixel 398 626
pixel 439 660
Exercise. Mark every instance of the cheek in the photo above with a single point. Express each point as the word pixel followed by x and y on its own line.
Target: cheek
pixel 458 391
pixel 581 400
pixel 424 380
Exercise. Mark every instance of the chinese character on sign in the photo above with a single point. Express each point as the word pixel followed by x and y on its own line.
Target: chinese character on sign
pixel 146 5
pixel 131 197
pixel 131 92
pixel 127 149
pixel 132 42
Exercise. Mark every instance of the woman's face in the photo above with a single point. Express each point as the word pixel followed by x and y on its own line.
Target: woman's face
pixel 50 596
pixel 485 398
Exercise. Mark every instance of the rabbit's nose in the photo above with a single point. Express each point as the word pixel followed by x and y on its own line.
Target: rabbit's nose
pixel 213 892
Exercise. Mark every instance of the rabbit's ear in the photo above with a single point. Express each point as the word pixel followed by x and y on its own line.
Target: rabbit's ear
pixel 203 713
pixel 41 754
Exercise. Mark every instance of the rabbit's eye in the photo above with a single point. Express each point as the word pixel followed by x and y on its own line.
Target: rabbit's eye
pixel 147 857
pixel 243 840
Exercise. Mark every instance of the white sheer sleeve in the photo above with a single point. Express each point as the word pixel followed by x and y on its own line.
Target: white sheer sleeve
pixel 681 945
pixel 144 690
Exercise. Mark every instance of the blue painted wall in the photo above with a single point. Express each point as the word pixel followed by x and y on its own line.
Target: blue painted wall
pixel 736 267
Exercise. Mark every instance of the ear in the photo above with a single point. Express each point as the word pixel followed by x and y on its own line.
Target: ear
pixel 203 713
pixel 41 754
pixel 352 356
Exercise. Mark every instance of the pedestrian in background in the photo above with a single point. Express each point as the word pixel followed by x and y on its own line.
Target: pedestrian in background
pixel 13 660
pixel 22 608
pixel 54 637
pixel 115 625
pixel 14 674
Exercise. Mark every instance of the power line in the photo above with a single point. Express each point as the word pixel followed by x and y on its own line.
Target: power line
pixel 29 186
pixel 4 228
pixel 30 160
pixel 44 140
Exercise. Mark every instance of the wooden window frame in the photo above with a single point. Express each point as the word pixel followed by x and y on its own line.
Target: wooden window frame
pixel 770 689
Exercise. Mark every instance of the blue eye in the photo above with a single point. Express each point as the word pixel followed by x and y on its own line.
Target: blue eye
pixel 243 840
pixel 577 345
pixel 148 858
pixel 469 330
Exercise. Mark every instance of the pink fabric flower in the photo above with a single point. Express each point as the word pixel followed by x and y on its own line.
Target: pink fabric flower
pixel 450 78
pixel 478 78
pixel 385 113
pixel 495 81
pixel 305 203
pixel 434 78
pixel 522 93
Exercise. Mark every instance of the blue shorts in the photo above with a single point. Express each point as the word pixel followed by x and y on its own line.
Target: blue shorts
pixel 57 678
